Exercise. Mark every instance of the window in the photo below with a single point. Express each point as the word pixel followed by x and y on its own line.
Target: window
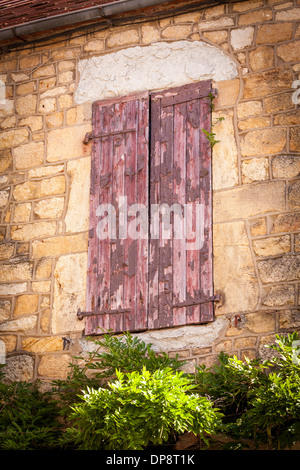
pixel 150 238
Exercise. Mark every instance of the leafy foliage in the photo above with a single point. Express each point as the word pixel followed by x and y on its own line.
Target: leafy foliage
pixel 29 418
pixel 127 353
pixel 139 409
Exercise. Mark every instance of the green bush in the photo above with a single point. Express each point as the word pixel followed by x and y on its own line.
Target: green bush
pixel 29 418
pixel 140 409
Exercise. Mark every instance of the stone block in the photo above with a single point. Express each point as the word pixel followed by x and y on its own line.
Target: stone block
pixel 21 325
pixel 67 143
pixel 42 345
pixel 5 159
pixel 43 269
pixel 221 23
pixel 65 101
pixel 228 92
pixel 288 15
pixel 11 138
pixel 29 155
pixel 6 250
pixel 47 105
pixel 286 166
pixel 55 119
pixel 43 171
pixel 69 292
pixel 45 71
pixel 60 245
pixel 218 37
pixel 259 84
pixel 77 215
pixel 241 37
pixel 13 288
pixel 279 296
pixel 225 154
pixel 149 33
pixel 294 139
pixel 259 16
pixel 5 310
pixel 282 102
pixel 95 45
pixel 4 196
pixel 19 368
pixel 22 212
pixel 234 273
pixel 41 286
pixel 10 272
pixel 37 189
pixel 29 62
pixel 54 365
pixel 289 52
pixel 263 142
pixel 255 169
pixel 249 5
pixel 294 195
pixel 8 122
pixel 249 201
pixel 260 322
pixel 291 118
pixel 177 31
pixel 26 105
pixel 254 123
pixel 258 227
pixel 10 342
pixel 281 269
pixel 272 246
pixel 289 319
pixel 26 304
pixel 33 230
pixel 261 58
pixel 123 38
pixel 35 123
pixel 274 33
pixel 50 208
pixel 289 222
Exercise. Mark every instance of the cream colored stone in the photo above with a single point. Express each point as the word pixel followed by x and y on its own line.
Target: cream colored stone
pixel 35 123
pixel 69 292
pixel 42 345
pixel 38 189
pixel 66 65
pixel 47 105
pixel 176 31
pixel 53 92
pixel 228 92
pixel 79 114
pixel 33 230
pixel 216 24
pixel 21 271
pixel 289 52
pixel 56 366
pixel 288 15
pixel 260 322
pixel 294 137
pixel 47 170
pixel 241 37
pixel 217 37
pixel 41 286
pixel 263 142
pixel 5 310
pixel 21 325
pixel 225 154
pixel 4 196
pixel 6 250
pixel 9 122
pixel 12 137
pixel 67 143
pixel 254 123
pixel 261 58
pixel 22 212
pixel 249 201
pixel 5 160
pixel 244 6
pixel 272 246
pixel 19 77
pixel 150 33
pixel 10 342
pixel 256 169
pixel 234 273
pixel 55 119
pixel 60 245
pixel 29 155
pixel 65 101
pixel 44 71
pixel 95 45
pixel 26 88
pixel 77 216
pixel 260 84
pixel 13 288
pixel 29 62
pixel 26 304
pixel 26 105
pixel 123 38
pixel 259 16
pixel 51 208
pixel 43 269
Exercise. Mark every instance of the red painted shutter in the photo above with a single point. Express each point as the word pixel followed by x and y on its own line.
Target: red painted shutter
pixel 180 274
pixel 117 265
pixel 163 281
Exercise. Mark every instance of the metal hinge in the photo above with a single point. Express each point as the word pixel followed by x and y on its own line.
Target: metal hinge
pixel 199 301
pixel 92 313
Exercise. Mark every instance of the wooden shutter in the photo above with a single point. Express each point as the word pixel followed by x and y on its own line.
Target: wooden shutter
pixel 180 279
pixel 117 267
pixel 138 284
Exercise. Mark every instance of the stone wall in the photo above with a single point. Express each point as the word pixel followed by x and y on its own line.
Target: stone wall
pixel 45 172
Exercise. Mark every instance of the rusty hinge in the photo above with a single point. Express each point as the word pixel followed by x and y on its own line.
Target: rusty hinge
pixel 92 313
pixel 90 135
pixel 199 301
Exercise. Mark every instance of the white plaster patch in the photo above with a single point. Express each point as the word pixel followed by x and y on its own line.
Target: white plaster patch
pixel 154 67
